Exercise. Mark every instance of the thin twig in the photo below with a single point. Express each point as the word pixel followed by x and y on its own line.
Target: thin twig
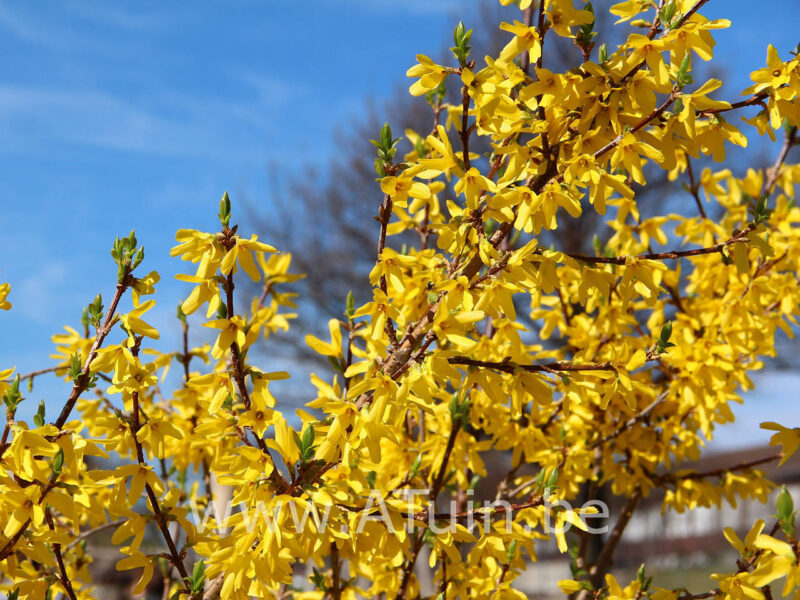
pixel 66 583
pixel 736 238
pixel 742 466
pixel 239 376
pixel 160 517
pixel 82 382
pixel 90 532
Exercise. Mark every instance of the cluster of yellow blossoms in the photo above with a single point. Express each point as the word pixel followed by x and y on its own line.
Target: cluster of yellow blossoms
pixel 610 369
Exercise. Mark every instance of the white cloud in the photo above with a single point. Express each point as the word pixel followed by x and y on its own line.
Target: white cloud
pixel 162 124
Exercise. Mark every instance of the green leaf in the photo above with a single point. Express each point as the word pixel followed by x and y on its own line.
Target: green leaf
pixel 308 437
pixel 553 479
pixel 666 331
pixel 668 12
pixel 335 364
pixel 225 210
pixel 784 504
pixel 198 576
pixel 75 366
pixel 683 77
pixel 222 311
pixel 318 579
pixel 12 397
pixel 38 418
pixel 458 33
pixel 602 53
pixel 461 38
pixel 663 340
pixel 414 470
pixel 512 550
pixel 58 462
pixel 386 137
pixel 138 258
pixel 297 441
pixel 540 478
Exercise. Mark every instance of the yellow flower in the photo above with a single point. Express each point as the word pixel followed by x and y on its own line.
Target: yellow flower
pixel 133 323
pixel 4 290
pixel 403 186
pixel 152 433
pixel 258 419
pixel 137 560
pixel 206 290
pixel 525 39
pixel 379 309
pixel 471 185
pixel 430 75
pixel 137 477
pixel 231 330
pixel 198 247
pixel 242 253
pixel 787 437
pixel 332 349
pixel 776 74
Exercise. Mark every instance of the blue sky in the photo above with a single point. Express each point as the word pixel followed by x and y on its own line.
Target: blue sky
pixel 139 114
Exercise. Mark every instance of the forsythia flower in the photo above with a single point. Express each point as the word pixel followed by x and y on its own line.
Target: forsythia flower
pixel 4 290
pixel 430 75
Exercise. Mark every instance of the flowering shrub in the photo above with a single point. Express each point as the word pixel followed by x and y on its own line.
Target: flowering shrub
pixel 604 369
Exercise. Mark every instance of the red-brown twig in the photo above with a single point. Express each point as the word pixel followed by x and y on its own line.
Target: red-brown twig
pixel 671 255
pixel 82 382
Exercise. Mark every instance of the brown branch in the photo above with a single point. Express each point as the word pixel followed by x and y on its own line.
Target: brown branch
pixel 742 466
pixel 632 421
pixel 752 101
pixel 671 255
pixel 384 216
pixel 657 112
pixel 186 357
pixel 773 172
pixel 82 382
pixel 606 557
pixel 160 517
pixel 419 353
pixel 694 188
pixel 239 376
pixel 33 374
pixel 416 544
pixel 511 367
pixel 90 532
pixel 464 134
pixel 336 584
pixel 62 570
pixel 214 588
pixel 698 5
